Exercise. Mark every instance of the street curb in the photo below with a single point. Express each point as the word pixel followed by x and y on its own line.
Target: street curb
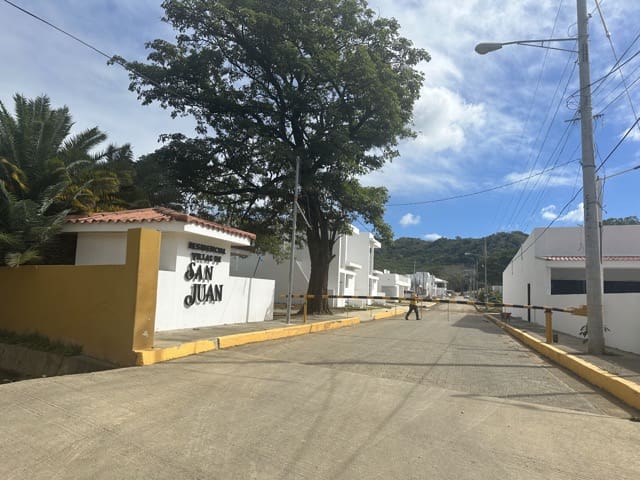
pixel 390 313
pixel 624 390
pixel 158 355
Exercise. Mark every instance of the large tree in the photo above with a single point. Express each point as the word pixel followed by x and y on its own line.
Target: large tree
pixel 269 82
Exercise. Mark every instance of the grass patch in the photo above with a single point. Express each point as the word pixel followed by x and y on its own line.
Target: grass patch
pixel 36 341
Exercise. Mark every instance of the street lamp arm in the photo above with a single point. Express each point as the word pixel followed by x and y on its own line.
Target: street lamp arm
pixel 484 48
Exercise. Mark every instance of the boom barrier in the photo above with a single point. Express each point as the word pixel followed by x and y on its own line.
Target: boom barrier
pixel 548 310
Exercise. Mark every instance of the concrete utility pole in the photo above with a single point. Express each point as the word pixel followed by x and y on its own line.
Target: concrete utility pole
pixel 486 284
pixel 593 263
pixel 293 237
pixel 593 260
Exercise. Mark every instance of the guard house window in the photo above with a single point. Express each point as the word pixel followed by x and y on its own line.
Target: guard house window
pixel 568 281
pixel 571 281
pixel 621 280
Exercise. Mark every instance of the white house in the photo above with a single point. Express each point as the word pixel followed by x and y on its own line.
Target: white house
pixel 350 273
pixel 195 288
pixel 549 269
pixel 394 284
pixel 428 285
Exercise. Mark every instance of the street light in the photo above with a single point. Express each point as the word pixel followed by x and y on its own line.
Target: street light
pixel 484 48
pixel 593 264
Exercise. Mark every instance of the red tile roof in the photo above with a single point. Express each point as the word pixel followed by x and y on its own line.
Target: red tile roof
pixel 156 214
pixel 610 258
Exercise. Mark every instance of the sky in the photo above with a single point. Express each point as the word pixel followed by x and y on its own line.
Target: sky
pixel 502 124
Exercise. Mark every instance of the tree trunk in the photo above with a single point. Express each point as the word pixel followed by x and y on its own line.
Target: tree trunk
pixel 321 254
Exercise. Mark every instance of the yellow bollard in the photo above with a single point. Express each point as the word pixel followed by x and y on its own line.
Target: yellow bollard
pixel 304 310
pixel 548 325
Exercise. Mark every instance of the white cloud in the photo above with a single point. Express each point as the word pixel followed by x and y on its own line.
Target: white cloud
pixel 430 237
pixel 573 216
pixel 561 177
pixel 409 219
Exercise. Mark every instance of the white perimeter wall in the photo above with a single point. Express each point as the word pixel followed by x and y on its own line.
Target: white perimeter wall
pixel 620 317
pixel 269 269
pixel 243 299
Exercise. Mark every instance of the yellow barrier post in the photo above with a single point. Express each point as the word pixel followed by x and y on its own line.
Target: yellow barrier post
pixel 304 310
pixel 548 325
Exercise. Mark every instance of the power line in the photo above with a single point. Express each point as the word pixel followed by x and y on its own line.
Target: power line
pixel 615 56
pixel 88 45
pixel 624 137
pixel 464 195
pixel 530 166
pixel 566 205
pixel 112 58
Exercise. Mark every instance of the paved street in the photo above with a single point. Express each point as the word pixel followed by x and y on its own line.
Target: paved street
pixel 447 397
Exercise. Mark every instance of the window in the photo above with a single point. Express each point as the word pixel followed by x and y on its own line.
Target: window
pixel 571 281
pixel 568 281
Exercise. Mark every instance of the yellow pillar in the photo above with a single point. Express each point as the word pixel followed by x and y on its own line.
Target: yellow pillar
pixel 548 325
pixel 304 316
pixel 143 258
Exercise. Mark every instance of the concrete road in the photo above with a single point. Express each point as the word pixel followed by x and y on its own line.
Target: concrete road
pixel 448 397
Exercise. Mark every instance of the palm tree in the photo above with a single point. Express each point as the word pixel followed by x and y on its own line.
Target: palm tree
pixel 24 227
pixel 38 151
pixel 45 173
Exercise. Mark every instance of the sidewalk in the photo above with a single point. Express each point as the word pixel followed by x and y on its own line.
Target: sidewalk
pixel 616 371
pixel 174 344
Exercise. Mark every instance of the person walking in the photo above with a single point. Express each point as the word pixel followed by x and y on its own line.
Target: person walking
pixel 413 307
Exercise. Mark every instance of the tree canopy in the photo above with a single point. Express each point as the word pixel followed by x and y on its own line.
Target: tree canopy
pixel 632 220
pixel 325 82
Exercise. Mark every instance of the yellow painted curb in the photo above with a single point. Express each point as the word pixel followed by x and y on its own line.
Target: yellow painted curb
pixel 156 355
pixel 284 332
pixel 237 339
pixel 333 324
pixel 391 313
pixel 624 390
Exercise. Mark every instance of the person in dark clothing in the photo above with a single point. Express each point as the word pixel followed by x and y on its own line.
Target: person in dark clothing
pixel 413 307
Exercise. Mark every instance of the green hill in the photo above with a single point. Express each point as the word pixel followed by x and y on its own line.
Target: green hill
pixel 446 257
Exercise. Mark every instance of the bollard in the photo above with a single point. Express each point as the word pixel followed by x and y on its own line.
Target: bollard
pixel 304 310
pixel 548 325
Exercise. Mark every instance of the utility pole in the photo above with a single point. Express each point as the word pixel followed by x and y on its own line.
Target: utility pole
pixel 486 285
pixel 293 237
pixel 593 264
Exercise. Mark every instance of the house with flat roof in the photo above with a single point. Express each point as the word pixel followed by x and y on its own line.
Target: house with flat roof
pixel 549 269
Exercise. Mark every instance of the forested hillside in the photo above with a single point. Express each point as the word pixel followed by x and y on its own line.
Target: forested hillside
pixel 446 257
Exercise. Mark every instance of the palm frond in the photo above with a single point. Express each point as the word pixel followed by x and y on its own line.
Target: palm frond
pixel 15 259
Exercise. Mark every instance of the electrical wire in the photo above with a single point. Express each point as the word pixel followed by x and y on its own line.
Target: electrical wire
pixel 624 137
pixel 530 166
pixel 479 192
pixel 615 56
pixel 112 58
pixel 520 206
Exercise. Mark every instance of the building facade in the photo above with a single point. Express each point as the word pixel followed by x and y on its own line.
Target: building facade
pixel 549 269
pixel 194 284
pixel 351 271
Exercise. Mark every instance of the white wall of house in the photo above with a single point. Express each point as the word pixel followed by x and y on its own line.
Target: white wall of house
pixel 394 284
pixel 266 267
pixel 533 267
pixel 236 299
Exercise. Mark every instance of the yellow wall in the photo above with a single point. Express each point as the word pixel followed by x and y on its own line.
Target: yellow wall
pixel 108 309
